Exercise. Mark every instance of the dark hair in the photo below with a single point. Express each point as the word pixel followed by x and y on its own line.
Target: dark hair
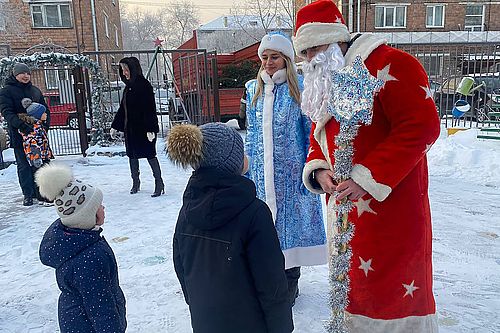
pixel 134 66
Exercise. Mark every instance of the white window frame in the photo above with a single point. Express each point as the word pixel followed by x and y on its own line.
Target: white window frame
pixel 54 85
pixel 106 24
pixel 116 35
pixel 475 27
pixel 434 23
pixel 43 7
pixel 385 8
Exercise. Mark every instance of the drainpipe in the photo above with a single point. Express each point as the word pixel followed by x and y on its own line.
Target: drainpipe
pixel 358 18
pixel 94 28
pixel 351 16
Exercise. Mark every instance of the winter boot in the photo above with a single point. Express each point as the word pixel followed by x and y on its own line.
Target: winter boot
pixel 159 186
pixel 293 275
pixel 134 172
pixel 28 201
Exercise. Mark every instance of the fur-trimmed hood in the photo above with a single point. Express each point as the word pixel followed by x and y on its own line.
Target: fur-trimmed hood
pixel 27 119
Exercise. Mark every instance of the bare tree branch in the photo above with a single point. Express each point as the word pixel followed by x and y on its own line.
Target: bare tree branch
pixel 180 20
pixel 140 29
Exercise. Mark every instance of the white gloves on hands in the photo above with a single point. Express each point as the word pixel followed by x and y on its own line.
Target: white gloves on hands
pixel 113 133
pixel 151 136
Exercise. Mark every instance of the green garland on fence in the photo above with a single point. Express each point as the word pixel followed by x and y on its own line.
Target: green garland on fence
pixel 37 60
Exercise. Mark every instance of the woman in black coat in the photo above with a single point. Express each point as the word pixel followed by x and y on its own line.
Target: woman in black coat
pixel 136 117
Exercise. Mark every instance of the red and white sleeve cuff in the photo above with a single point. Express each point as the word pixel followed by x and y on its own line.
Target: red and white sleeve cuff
pixel 308 169
pixel 362 176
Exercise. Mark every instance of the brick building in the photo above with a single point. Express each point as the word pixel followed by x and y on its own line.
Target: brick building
pixel 388 16
pixel 27 26
pixel 82 25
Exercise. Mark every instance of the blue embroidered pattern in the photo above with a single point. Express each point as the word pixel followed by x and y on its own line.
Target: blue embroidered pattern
pixel 299 220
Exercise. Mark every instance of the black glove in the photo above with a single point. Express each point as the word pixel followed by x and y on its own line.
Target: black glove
pixel 26 128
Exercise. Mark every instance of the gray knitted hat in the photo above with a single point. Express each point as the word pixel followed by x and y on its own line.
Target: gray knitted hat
pixel 20 68
pixel 214 145
pixel 222 148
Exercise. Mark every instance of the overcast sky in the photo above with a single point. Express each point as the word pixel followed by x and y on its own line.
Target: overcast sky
pixel 208 9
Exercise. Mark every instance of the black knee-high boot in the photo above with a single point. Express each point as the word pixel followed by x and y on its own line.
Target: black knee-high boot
pixel 159 186
pixel 134 172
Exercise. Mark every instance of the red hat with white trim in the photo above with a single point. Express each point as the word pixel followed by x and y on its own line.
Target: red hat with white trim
pixel 319 23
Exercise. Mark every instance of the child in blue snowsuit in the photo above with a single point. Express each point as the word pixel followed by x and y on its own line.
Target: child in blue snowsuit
pixel 91 299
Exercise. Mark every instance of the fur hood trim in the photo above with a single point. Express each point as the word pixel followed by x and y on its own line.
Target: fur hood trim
pixel 52 179
pixel 184 146
pixel 26 118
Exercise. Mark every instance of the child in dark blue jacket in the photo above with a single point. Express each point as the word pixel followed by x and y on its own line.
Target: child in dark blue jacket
pixel 226 251
pixel 91 299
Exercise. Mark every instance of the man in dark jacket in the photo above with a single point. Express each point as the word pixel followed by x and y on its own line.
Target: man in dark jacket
pixel 226 251
pixel 17 87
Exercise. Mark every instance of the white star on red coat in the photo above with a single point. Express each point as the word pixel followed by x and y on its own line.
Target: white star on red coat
pixel 366 265
pixel 364 206
pixel 428 92
pixel 383 74
pixel 410 288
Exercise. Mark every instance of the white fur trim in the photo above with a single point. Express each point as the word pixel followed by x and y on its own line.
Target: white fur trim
pixel 316 33
pixel 267 138
pixel 363 46
pixel 276 42
pixel 306 256
pixel 363 177
pixel 308 169
pixel 52 178
pixel 359 324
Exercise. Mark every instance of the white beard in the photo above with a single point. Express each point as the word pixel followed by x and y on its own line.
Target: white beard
pixel 317 81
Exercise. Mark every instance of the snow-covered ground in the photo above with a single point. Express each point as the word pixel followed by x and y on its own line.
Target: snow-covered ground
pixel 465 200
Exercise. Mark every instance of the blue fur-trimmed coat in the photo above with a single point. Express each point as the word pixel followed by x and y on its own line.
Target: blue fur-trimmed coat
pixel 276 144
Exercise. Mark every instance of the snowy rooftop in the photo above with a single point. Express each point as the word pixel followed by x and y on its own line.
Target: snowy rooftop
pixel 236 22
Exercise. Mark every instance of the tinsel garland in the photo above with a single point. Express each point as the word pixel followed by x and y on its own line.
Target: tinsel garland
pixel 351 100
pixel 37 60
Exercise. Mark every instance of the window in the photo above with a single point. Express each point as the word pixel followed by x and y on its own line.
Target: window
pixel 390 16
pixel 474 18
pixel 54 76
pixel 116 36
pixel 51 16
pixel 435 16
pixel 106 24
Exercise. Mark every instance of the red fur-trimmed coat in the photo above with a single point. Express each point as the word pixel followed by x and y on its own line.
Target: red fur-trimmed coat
pixel 391 269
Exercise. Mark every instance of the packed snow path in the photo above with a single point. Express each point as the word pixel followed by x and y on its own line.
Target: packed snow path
pixel 465 201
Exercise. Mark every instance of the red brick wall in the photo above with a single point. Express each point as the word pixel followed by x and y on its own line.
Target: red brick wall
pixel 415 16
pixel 67 37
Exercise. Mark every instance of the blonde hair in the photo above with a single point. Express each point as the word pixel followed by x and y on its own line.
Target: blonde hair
pixel 291 79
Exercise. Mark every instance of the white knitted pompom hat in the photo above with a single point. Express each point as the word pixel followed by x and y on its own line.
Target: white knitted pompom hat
pixel 76 203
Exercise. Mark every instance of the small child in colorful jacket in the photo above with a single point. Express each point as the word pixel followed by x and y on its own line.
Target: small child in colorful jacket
pixel 36 143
